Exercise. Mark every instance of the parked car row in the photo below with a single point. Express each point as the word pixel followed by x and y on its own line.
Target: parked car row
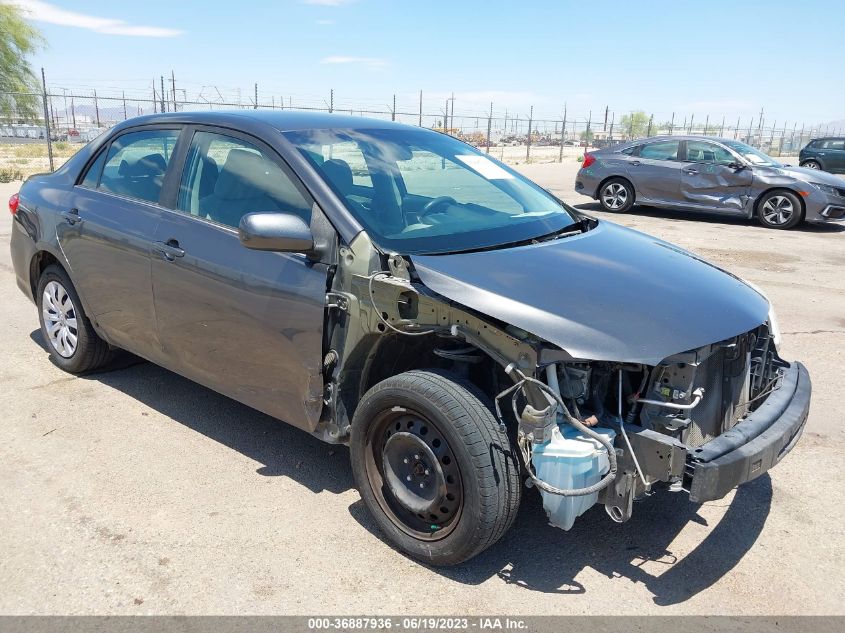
pixel 465 332
pixel 699 173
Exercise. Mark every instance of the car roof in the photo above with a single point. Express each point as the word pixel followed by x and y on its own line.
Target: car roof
pixel 282 120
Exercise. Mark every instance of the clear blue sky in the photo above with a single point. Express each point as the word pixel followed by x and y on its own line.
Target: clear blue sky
pixel 717 58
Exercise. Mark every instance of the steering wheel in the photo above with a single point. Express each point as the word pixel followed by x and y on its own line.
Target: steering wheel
pixel 431 205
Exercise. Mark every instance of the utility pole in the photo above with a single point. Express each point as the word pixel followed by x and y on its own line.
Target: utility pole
pixel 163 106
pixel 606 109
pixel 736 129
pixel 155 98
pixel 528 141
pixel 97 108
pixel 612 122
pixel 73 111
pixel 489 126
pixel 672 124
pixel 589 123
pixel 173 87
pixel 255 105
pixel 124 106
pixel 722 129
pixel 64 95
pixel 689 130
pixel 331 100
pixel 393 111
pixel 562 135
pixel 650 121
pixel 47 119
pixel 420 108
pixel 706 124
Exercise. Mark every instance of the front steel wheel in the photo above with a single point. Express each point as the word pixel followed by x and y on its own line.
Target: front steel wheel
pixel 433 466
pixel 811 164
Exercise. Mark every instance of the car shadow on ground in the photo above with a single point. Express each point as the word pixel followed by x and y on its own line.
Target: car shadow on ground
pixel 282 449
pixel 532 555
pixel 699 216
pixel 538 557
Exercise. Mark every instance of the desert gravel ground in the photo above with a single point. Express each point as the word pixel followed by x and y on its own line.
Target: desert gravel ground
pixel 136 491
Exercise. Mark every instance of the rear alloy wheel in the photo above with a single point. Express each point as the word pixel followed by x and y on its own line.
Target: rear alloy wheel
pixel 71 340
pixel 433 467
pixel 780 210
pixel 811 164
pixel 616 196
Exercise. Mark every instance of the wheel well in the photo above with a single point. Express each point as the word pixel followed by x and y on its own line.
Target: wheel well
pixel 609 178
pixel 39 262
pixel 383 356
pixel 772 190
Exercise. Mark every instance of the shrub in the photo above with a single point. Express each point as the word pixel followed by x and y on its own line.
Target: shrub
pixel 8 174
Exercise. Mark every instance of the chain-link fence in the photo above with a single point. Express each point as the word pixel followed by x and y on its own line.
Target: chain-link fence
pixel 39 130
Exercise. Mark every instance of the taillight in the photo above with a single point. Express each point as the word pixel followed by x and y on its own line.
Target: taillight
pixel 14 201
pixel 589 159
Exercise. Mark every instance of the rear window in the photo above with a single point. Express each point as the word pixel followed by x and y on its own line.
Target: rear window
pixel 667 150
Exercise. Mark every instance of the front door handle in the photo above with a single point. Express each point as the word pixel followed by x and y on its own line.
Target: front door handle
pixel 72 216
pixel 169 249
pixel 691 172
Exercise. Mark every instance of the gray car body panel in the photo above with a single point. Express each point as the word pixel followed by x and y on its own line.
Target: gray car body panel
pixel 608 294
pixel 708 187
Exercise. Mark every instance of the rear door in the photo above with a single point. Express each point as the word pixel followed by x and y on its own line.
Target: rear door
pixel 246 323
pixel 709 181
pixel 833 155
pixel 107 229
pixel 655 172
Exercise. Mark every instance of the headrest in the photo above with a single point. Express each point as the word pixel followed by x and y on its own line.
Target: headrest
pixel 339 173
pixel 149 165
pixel 243 175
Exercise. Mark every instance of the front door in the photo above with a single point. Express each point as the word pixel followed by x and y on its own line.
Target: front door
pixel 655 172
pixel 710 179
pixel 246 323
pixel 107 230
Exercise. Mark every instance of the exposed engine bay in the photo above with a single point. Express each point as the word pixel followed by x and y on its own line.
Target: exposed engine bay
pixel 587 431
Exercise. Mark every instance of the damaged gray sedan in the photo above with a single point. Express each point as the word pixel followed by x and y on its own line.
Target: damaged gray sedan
pixel 469 336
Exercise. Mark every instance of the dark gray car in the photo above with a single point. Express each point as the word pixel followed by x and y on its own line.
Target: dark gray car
pixel 699 173
pixel 394 289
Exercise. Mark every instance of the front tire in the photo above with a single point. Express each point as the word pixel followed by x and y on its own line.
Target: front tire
pixel 71 340
pixel 433 466
pixel 780 210
pixel 811 164
pixel 616 195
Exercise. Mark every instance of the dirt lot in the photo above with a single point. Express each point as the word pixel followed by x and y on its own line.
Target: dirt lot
pixel 136 491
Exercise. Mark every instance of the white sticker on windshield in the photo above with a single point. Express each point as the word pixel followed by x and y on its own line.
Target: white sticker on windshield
pixel 484 166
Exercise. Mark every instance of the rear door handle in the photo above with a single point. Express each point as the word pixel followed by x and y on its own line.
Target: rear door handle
pixel 169 249
pixel 635 163
pixel 691 172
pixel 72 216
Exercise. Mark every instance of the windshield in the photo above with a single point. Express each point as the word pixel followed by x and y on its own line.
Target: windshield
pixel 753 156
pixel 417 191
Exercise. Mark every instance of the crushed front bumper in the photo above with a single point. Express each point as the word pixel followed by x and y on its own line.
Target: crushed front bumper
pixel 754 445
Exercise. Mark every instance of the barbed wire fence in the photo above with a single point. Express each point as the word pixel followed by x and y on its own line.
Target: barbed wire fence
pixel 71 116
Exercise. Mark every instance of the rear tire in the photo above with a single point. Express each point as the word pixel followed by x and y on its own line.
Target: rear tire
pixel 433 467
pixel 811 164
pixel 780 209
pixel 616 195
pixel 71 340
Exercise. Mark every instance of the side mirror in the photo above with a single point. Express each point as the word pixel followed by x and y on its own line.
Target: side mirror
pixel 737 166
pixel 280 232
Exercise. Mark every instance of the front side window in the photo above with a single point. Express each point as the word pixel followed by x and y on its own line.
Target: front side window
pixel 137 162
pixel 753 156
pixel 834 144
pixel 225 178
pixel 667 150
pixel 418 191
pixel 703 152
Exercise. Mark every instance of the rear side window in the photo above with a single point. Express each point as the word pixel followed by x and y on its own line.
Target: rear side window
pixel 631 151
pixel 136 164
pixel 833 144
pixel 92 176
pixel 667 150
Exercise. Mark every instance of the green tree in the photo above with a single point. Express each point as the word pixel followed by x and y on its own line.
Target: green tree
pixel 635 124
pixel 18 40
pixel 587 135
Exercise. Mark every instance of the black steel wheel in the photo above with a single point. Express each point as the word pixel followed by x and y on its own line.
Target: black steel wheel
pixel 433 466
